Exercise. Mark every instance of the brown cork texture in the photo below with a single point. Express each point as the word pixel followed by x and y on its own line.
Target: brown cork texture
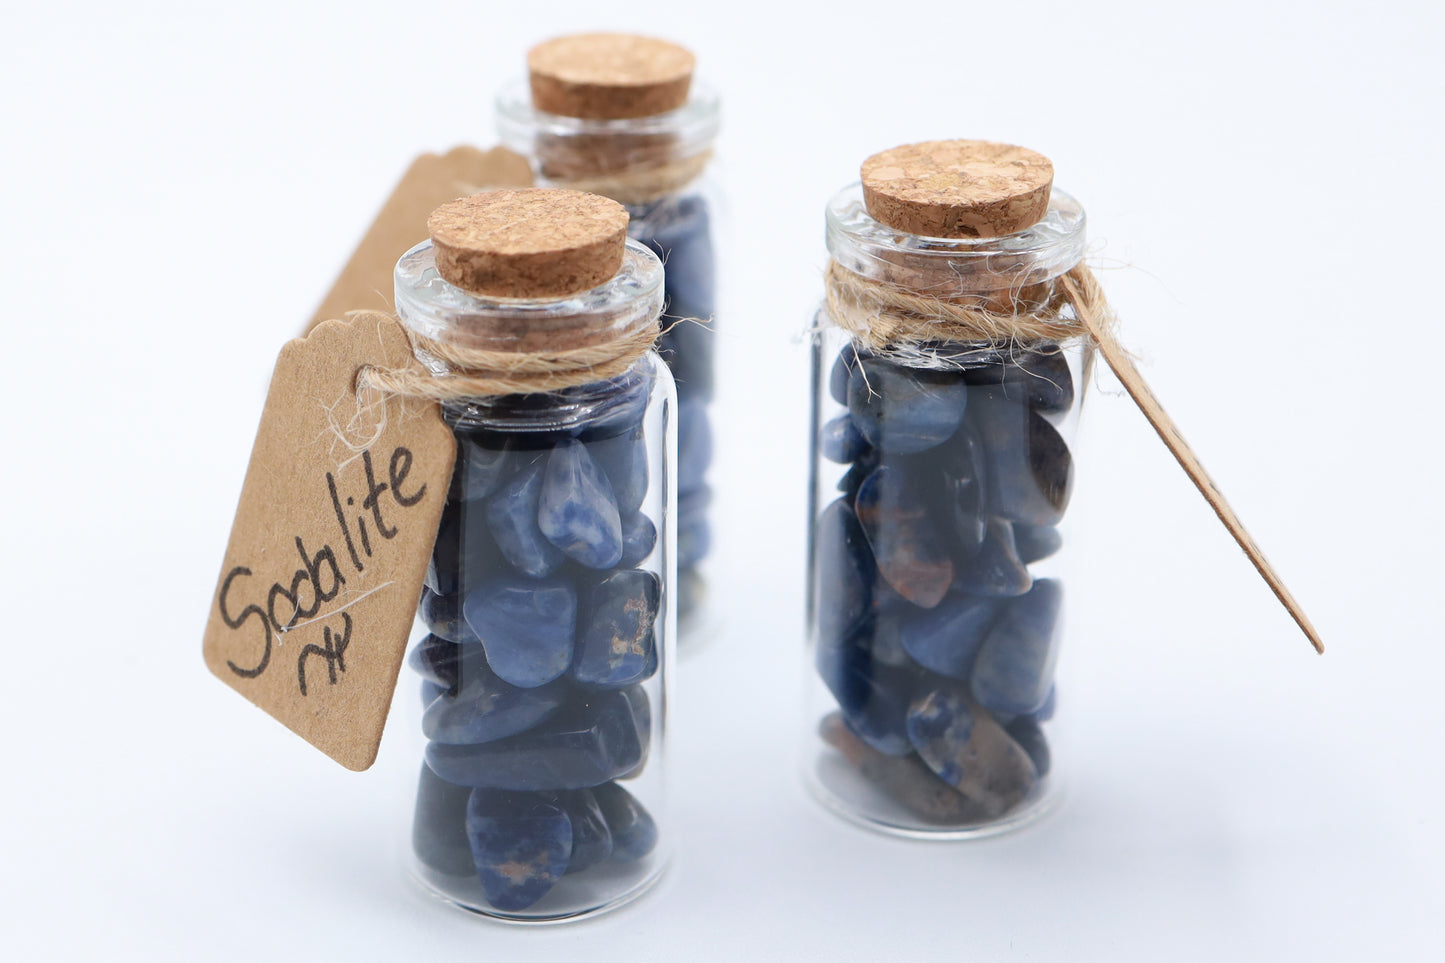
pixel 536 243
pixel 958 188
pixel 364 284
pixel 609 76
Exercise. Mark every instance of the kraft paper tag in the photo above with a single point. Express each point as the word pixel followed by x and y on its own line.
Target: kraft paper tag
pixel 433 179
pixel 331 540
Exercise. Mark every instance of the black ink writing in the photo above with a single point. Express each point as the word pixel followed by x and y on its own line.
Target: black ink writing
pixel 333 651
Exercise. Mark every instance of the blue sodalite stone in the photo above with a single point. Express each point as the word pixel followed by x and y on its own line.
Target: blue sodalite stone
pixel 1046 712
pixel 591 839
pixel 445 663
pixel 1036 542
pixel 848 359
pixel 634 834
pixel 577 511
pixel 841 441
pixel 521 844
pixel 512 515
pixel 1039 377
pixel 947 638
pixel 904 537
pixel 1030 737
pixel 614 407
pixel 905 779
pixel 439 826
pixel 694 444
pixel 464 552
pixel 904 410
pixel 442 615
pixel 623 458
pixel 480 468
pixel 890 611
pixel 583 745
pixel 1030 472
pixel 639 537
pixel 487 708
pixel 968 750
pixel 526 626
pixel 677 229
pixel 964 467
pixel 843 571
pixel 1015 665
pixel 615 642
pixel 995 568
pixel 430 692
pixel 873 696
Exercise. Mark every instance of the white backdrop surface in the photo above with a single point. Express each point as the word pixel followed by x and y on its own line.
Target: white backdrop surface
pixel 182 181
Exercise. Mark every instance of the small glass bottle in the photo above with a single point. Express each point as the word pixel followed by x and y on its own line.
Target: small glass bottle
pixel 619 115
pixel 549 600
pixel 942 472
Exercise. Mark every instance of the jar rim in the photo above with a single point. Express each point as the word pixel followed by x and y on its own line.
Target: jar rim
pixel 694 124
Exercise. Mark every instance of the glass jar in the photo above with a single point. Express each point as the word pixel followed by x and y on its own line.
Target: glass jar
pixel 671 213
pixel 941 477
pixel 549 614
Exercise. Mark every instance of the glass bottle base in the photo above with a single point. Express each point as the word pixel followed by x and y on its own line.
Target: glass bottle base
pixel 840 789
pixel 578 897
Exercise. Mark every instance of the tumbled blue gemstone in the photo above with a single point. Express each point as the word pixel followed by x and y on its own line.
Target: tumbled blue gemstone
pixel 623 458
pixel 1036 542
pixel 431 691
pixel 591 839
pixel 902 410
pixel 904 779
pixel 582 745
pixel 486 708
pixel 614 407
pixel 480 467
pixel 694 444
pixel 1030 470
pixel 443 662
pixel 843 568
pixel 521 844
pixel 968 750
pixel 1039 377
pixel 527 627
pixel 1015 665
pixel 841 441
pixel 873 696
pixel 577 512
pixel 439 826
pixel 1030 737
pixel 512 515
pixel 639 536
pixel 634 834
pixel 946 639
pixel 995 569
pixel 1046 711
pixel 904 537
pixel 615 641
pixel 677 229
pixel 442 615
pixel 848 359
pixel 464 552
pixel 964 472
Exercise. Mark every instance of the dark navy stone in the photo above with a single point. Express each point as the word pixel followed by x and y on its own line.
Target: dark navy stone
pixel 527 627
pixel 512 515
pixel 591 839
pixel 841 441
pixel 1036 542
pixel 848 359
pixel 612 407
pixel 1030 737
pixel 873 696
pixel 480 468
pixel 843 567
pixel 639 537
pixel 1039 377
pixel 903 410
pixel 521 844
pixel 624 460
pixel 890 611
pixel 583 745
pixel 445 663
pixel 634 834
pixel 464 552
pixel 995 569
pixel 694 444
pixel 439 826
pixel 905 539
pixel 1030 472
pixel 947 638
pixel 577 511
pixel 442 615
pixel 905 779
pixel 1015 665
pixel 486 708
pixel 430 692
pixel 968 750
pixel 641 709
pixel 615 641
pixel 964 470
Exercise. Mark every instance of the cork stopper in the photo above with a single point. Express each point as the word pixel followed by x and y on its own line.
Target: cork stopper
pixel 609 76
pixel 533 243
pixel 958 188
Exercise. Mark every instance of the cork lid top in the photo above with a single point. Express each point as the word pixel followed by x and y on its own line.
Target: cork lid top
pixel 609 76
pixel 958 188
pixel 532 243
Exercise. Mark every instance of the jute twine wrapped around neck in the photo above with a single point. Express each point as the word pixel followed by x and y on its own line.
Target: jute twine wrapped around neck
pixel 889 318
pixel 639 185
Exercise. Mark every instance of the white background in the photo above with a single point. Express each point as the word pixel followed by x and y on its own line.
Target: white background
pixel 182 181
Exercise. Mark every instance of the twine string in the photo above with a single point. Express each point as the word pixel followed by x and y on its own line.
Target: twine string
pixel 643 184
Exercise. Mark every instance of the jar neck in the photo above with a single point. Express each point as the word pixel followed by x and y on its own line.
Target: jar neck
pixel 1008 273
